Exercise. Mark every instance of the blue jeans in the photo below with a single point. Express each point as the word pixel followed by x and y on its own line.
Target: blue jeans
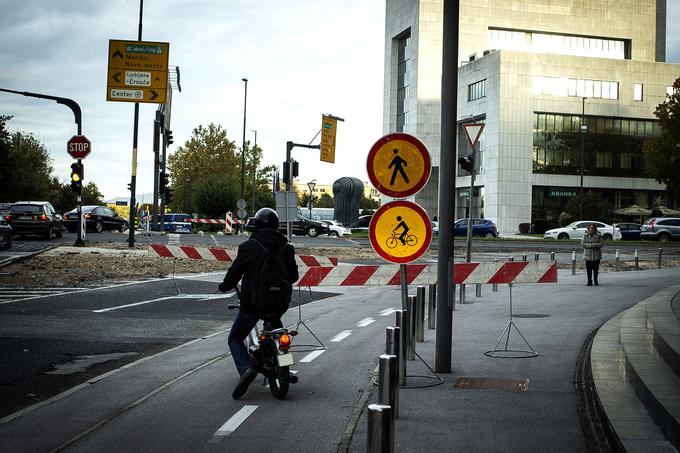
pixel 240 329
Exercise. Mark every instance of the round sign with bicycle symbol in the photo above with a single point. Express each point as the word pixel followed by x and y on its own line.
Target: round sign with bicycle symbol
pixel 400 231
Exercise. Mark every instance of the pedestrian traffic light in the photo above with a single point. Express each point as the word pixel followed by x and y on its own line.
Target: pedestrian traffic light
pixel 167 195
pixel 77 177
pixel 467 163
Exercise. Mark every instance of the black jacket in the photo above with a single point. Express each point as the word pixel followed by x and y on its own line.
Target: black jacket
pixel 249 254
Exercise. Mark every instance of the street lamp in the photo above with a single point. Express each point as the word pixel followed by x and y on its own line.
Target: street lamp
pixel 311 184
pixel 254 168
pixel 243 146
pixel 584 129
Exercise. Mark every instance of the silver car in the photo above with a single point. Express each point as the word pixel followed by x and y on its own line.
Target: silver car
pixel 661 228
pixel 576 230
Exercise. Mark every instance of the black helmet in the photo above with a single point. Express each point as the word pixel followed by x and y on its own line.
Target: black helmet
pixel 266 218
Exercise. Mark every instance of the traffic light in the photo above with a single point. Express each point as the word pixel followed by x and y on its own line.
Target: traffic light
pixel 167 195
pixel 467 163
pixel 77 177
pixel 168 137
pixel 296 169
pixel 163 182
pixel 287 179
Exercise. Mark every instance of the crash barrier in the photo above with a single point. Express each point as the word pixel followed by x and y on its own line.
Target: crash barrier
pixel 220 254
pixel 423 274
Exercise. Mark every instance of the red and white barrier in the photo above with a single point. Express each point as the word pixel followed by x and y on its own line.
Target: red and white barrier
pixel 220 254
pixel 214 221
pixel 421 274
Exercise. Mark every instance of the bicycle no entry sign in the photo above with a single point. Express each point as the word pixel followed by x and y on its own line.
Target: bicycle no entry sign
pixel 398 165
pixel 400 231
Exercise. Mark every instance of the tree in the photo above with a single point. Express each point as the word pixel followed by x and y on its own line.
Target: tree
pixel 215 195
pixel 595 207
pixel 663 154
pixel 26 166
pixel 368 203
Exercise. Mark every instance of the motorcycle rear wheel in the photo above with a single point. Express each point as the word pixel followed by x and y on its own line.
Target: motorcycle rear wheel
pixel 279 381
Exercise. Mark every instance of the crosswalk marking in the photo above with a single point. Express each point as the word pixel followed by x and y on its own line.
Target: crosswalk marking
pixel 365 322
pixel 8 295
pixel 388 311
pixel 312 355
pixel 235 421
pixel 341 336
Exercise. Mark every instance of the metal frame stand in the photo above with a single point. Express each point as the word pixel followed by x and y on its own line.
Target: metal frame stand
pixel 174 281
pixel 300 322
pixel 506 353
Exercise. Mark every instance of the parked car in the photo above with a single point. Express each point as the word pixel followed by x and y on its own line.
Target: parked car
pixel 576 230
pixel 435 227
pixel 480 227
pixel 661 228
pixel 301 226
pixel 337 229
pixel 363 223
pixel 97 218
pixel 5 233
pixel 629 231
pixel 177 223
pixel 35 217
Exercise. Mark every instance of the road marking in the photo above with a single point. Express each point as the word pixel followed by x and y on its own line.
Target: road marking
pixel 8 295
pixel 341 336
pixel 200 297
pixel 365 322
pixel 313 355
pixel 388 311
pixel 235 421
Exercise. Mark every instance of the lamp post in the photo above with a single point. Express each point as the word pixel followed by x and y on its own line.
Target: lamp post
pixel 243 145
pixel 584 129
pixel 254 169
pixel 311 184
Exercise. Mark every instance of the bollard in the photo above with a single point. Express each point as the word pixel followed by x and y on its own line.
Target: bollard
pixel 431 306
pixel 512 258
pixel 478 290
pixel 392 335
pixel 411 335
pixel 573 262
pixel 536 257
pixel 494 287
pixel 461 297
pixel 637 261
pixel 402 322
pixel 618 262
pixel 524 257
pixel 388 375
pixel 552 256
pixel 658 260
pixel 380 436
pixel 420 313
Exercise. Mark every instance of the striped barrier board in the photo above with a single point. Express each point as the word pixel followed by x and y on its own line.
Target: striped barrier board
pixel 421 274
pixel 220 254
pixel 214 221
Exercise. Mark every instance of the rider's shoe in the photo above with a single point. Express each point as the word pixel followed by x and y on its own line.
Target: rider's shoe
pixel 246 379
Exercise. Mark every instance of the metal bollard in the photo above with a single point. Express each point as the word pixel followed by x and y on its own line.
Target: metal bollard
pixel 461 297
pixel 552 256
pixel 637 261
pixel 512 258
pixel 573 262
pixel 380 436
pixel 618 262
pixel 536 257
pixel 388 374
pixel 431 306
pixel 420 313
pixel 658 260
pixel 402 323
pixel 392 335
pixel 524 257
pixel 411 335
pixel 494 287
pixel 478 290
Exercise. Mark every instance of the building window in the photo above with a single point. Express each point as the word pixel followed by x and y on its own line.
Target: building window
pixel 670 91
pixel 560 86
pixel 403 80
pixel 637 92
pixel 477 90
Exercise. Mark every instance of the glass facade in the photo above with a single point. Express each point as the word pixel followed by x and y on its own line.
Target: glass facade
pixel 562 86
pixel 403 80
pixel 613 146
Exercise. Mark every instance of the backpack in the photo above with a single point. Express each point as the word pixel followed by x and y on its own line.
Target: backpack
pixel 270 290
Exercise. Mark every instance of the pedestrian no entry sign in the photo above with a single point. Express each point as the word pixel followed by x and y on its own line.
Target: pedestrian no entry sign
pixel 398 165
pixel 400 231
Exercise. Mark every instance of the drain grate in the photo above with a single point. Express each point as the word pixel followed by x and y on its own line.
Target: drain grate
pixel 530 315
pixel 508 385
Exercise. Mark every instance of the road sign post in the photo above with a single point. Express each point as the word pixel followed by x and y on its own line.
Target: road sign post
pixel 472 132
pixel 400 231
pixel 78 147
pixel 398 165
pixel 329 126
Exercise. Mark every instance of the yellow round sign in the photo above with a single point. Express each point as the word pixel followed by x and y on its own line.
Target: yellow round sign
pixel 400 231
pixel 398 165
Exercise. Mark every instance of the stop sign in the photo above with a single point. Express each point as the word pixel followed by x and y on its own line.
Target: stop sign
pixel 79 146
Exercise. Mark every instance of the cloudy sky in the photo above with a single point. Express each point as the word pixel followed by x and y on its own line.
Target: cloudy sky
pixel 302 58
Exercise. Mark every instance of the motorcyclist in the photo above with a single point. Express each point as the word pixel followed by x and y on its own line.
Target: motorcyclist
pixel 266 223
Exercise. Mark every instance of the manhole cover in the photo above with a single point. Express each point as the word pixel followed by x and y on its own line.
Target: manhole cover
pixel 530 315
pixel 508 385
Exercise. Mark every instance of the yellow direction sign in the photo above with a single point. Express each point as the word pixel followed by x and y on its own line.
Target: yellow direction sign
pixel 138 71
pixel 328 127
pixel 398 165
pixel 400 231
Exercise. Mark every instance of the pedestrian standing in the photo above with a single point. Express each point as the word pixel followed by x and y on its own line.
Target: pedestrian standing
pixel 592 244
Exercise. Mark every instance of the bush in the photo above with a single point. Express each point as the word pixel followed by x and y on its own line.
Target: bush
pixel 524 228
pixel 543 225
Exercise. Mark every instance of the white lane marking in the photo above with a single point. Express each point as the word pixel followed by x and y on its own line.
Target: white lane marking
pixel 365 322
pixel 235 421
pixel 341 336
pixel 313 355
pixel 388 311
pixel 200 297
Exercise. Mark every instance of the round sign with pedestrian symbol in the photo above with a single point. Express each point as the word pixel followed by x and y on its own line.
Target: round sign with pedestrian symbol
pixel 400 231
pixel 398 165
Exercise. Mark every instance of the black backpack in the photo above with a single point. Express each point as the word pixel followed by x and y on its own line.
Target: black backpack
pixel 270 289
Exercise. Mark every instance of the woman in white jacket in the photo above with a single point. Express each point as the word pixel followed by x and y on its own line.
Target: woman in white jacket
pixel 592 252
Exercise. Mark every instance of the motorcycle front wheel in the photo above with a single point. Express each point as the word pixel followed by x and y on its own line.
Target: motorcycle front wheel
pixel 279 381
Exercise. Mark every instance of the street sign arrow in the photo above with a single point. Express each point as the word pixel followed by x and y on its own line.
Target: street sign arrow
pixel 116 75
pixel 118 54
pixel 154 95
